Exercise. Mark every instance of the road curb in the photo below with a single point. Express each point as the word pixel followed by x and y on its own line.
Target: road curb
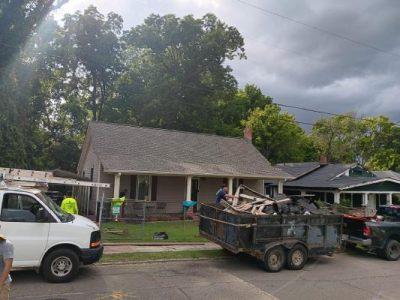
pixel 153 244
pixel 160 261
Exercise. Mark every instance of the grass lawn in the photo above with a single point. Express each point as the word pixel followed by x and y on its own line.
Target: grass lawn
pixel 140 256
pixel 178 231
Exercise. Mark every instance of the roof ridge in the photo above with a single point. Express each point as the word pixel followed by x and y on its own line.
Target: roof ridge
pixel 165 129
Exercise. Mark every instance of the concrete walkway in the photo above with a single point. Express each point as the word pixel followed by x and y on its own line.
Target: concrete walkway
pixel 128 248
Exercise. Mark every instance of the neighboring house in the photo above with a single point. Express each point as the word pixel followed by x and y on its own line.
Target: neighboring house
pixel 168 166
pixel 343 183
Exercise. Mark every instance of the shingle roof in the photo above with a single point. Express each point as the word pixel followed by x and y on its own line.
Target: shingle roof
pixel 126 148
pixel 387 174
pixel 326 177
pixel 298 169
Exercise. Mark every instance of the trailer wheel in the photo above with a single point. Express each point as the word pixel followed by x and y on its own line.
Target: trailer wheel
pixel 392 250
pixel 297 257
pixel 274 259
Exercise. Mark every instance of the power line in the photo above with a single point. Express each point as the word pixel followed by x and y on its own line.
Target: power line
pixel 304 123
pixel 319 29
pixel 322 112
pixel 329 113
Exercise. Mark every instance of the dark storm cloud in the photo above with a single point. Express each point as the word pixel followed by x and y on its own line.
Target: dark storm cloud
pixel 295 64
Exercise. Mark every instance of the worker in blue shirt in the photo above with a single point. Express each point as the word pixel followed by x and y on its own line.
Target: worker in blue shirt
pixel 222 194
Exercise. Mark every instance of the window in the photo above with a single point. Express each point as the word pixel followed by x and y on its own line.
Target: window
pixel 357 200
pixel 320 196
pixel 143 188
pixel 381 199
pixel 345 200
pixel 330 198
pixel 20 208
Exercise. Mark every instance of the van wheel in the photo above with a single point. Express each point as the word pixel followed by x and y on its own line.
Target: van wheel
pixel 392 250
pixel 60 265
pixel 297 257
pixel 274 259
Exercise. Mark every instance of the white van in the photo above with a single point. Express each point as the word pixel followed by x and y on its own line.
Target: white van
pixel 44 237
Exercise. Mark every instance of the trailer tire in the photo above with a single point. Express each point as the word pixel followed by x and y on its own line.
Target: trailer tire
pixel 60 265
pixel 392 250
pixel 274 259
pixel 297 257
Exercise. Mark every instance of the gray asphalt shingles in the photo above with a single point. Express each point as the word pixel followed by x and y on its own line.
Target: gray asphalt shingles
pixel 152 150
pixel 327 177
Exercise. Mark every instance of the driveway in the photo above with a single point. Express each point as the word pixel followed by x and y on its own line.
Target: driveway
pixel 345 276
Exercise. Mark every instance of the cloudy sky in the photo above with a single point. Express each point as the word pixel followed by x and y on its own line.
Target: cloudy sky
pixel 354 68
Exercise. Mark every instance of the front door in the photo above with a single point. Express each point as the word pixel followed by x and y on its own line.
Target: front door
pixel 195 192
pixel 18 221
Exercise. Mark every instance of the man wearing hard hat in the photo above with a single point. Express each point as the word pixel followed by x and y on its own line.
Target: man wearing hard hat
pixel 6 260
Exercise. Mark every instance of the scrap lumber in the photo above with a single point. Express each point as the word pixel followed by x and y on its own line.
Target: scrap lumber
pixel 258 204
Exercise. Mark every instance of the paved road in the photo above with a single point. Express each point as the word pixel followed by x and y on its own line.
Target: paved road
pixel 345 276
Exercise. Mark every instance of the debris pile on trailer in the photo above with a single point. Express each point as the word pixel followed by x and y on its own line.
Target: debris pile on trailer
pixel 258 204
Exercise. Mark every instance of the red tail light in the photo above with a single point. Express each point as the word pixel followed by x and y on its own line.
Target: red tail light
pixel 367 231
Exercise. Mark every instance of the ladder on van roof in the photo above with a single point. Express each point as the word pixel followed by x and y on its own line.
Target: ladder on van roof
pixel 10 174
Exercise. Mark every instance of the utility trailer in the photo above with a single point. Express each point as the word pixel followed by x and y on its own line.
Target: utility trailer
pixel 276 240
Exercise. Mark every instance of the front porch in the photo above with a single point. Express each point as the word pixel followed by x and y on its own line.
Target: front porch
pixel 353 199
pixel 164 194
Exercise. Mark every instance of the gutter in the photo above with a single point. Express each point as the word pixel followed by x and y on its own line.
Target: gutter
pixel 132 172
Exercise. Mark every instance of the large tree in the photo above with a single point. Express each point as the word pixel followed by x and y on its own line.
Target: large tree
pixel 18 20
pixel 233 110
pixel 177 72
pixel 277 135
pixel 89 50
pixel 373 141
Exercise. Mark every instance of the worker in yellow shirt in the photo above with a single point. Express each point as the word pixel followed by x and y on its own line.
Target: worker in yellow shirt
pixel 69 205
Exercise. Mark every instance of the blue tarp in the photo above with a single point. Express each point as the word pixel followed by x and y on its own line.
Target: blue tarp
pixel 188 203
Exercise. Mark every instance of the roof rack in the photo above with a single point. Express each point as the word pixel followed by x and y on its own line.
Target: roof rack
pixel 12 175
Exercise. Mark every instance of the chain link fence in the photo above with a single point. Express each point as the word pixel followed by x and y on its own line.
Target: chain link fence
pixel 144 221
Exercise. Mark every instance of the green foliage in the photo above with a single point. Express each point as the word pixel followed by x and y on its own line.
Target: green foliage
pixel 277 135
pixel 232 111
pixel 89 48
pixel 176 73
pixel 374 141
pixel 178 231
pixel 18 20
pixel 164 255
pixel 168 72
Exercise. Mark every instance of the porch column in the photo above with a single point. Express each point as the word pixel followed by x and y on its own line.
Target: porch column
pixel 230 185
pixel 365 199
pixel 390 199
pixel 189 188
pixel 117 183
pixel 280 187
pixel 336 198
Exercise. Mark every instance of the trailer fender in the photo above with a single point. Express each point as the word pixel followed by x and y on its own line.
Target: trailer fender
pixel 287 244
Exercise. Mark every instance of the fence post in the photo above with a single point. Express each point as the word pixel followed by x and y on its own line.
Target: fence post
pixel 144 221
pixel 101 209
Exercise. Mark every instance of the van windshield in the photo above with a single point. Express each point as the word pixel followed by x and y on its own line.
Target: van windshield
pixel 63 216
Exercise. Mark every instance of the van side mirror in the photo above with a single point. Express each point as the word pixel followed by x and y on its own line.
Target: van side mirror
pixel 42 215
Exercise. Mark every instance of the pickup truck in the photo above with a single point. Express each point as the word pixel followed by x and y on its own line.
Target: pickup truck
pixel 44 237
pixel 379 234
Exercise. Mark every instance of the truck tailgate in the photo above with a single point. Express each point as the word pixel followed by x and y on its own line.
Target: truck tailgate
pixel 353 226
